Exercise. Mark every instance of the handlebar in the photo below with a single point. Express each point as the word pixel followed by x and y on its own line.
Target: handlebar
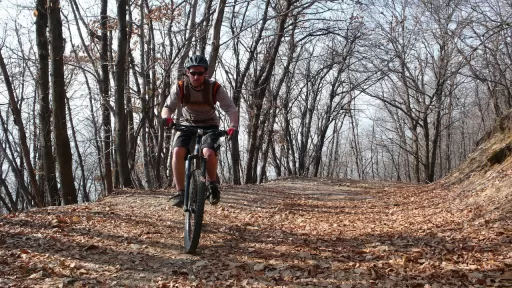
pixel 194 130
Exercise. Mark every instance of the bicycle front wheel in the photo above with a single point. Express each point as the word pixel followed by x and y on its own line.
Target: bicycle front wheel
pixel 195 211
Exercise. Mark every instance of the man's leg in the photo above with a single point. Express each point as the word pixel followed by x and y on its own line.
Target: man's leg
pixel 211 164
pixel 179 153
pixel 211 171
pixel 178 167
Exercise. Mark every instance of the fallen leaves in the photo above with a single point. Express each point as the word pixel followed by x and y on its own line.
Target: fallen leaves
pixel 298 233
pixel 259 267
pixel 507 275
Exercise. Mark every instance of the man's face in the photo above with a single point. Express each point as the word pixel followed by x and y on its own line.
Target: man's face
pixel 196 75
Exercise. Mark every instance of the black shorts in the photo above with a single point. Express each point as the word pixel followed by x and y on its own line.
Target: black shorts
pixel 211 141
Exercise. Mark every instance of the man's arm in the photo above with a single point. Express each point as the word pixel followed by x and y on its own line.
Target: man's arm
pixel 171 103
pixel 228 106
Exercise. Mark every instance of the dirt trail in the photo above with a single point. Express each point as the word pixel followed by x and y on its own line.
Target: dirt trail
pixel 288 233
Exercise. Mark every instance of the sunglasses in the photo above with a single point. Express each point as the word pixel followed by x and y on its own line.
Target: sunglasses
pixel 193 73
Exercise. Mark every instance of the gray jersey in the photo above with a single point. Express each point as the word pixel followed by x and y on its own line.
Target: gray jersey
pixel 202 115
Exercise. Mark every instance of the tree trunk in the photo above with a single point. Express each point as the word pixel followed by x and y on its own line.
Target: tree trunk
pixel 143 99
pixel 188 43
pixel 121 127
pixel 240 81
pixel 291 164
pixel 62 146
pixel 262 83
pixel 105 98
pixel 45 115
pixel 355 145
pixel 22 135
pixel 203 28
pixel 268 143
pixel 85 194
pixel 132 138
pixel 215 41
pixel 416 153
pixel 162 136
pixel 270 130
pixel 152 101
pixel 21 187
pixel 448 140
pixel 306 119
pixel 11 205
pixel 97 138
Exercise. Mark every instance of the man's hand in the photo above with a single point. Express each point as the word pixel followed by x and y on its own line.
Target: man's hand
pixel 231 131
pixel 167 121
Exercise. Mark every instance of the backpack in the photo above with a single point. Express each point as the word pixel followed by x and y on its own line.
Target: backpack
pixel 207 99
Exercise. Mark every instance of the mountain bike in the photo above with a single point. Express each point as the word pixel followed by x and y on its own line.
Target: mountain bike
pixel 196 190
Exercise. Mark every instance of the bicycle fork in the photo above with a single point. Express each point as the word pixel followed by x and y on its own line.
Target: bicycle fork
pixel 186 197
pixel 193 162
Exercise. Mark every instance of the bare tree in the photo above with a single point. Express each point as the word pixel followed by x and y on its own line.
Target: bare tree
pixel 45 129
pixel 105 93
pixel 215 38
pixel 240 74
pixel 292 47
pixel 143 99
pixel 260 85
pixel 120 71
pixel 487 50
pixel 424 61
pixel 62 146
pixel 8 156
pixel 83 182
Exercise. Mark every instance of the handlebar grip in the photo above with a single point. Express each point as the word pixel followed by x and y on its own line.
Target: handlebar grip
pixel 164 121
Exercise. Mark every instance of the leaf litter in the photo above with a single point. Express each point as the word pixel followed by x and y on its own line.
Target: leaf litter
pixel 293 232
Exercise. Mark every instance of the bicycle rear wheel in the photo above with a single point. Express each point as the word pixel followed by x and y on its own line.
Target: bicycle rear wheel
pixel 194 215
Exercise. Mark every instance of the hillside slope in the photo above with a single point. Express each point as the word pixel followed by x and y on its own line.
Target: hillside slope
pixel 484 180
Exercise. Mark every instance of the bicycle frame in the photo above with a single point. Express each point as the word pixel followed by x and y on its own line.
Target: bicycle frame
pixel 195 186
pixel 196 161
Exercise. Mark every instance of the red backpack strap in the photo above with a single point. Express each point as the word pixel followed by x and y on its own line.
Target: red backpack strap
pixel 216 87
pixel 180 86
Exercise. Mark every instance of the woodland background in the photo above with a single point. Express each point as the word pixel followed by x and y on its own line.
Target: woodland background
pixel 370 90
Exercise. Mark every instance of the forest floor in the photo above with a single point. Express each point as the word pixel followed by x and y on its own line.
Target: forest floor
pixel 288 233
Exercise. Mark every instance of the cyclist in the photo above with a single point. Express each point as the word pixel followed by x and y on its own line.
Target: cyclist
pixel 197 95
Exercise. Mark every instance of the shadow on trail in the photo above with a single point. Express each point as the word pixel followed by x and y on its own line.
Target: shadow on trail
pixel 100 240
pixel 399 257
pixel 294 257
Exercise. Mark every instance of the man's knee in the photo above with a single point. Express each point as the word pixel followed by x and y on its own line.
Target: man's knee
pixel 179 152
pixel 209 153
